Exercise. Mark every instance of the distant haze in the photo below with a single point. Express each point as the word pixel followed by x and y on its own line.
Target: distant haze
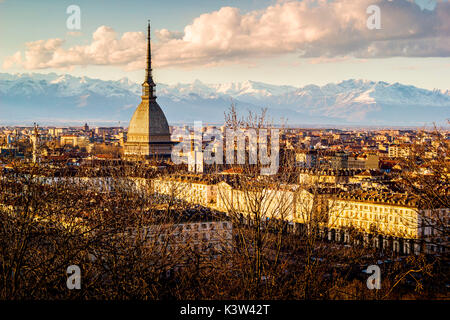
pixel 51 99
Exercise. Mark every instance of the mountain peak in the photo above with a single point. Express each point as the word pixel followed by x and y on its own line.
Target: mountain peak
pixel 348 101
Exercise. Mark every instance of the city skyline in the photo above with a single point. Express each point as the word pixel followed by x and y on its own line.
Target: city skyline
pixel 220 157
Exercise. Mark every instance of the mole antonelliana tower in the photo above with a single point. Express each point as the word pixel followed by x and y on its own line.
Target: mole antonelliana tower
pixel 148 133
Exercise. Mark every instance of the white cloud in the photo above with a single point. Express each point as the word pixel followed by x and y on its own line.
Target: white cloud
pixel 15 59
pixel 105 49
pixel 316 29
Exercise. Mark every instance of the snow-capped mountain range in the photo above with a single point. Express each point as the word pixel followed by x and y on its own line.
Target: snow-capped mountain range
pixel 65 99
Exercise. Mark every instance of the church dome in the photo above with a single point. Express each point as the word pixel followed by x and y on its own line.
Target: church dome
pixel 150 122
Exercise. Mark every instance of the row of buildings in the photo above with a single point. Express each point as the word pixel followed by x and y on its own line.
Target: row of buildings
pixel 405 224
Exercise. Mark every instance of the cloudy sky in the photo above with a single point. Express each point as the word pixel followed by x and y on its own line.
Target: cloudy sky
pixel 216 41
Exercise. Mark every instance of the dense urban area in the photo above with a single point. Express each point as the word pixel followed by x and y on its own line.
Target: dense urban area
pixel 342 200
pixel 242 210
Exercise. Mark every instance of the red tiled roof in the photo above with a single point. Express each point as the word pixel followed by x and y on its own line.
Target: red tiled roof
pixel 234 170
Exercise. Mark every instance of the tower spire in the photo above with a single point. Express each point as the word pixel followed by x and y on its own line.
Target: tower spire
pixel 148 85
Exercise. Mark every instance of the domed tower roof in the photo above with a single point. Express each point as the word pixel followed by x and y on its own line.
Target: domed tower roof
pixel 148 132
pixel 149 120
